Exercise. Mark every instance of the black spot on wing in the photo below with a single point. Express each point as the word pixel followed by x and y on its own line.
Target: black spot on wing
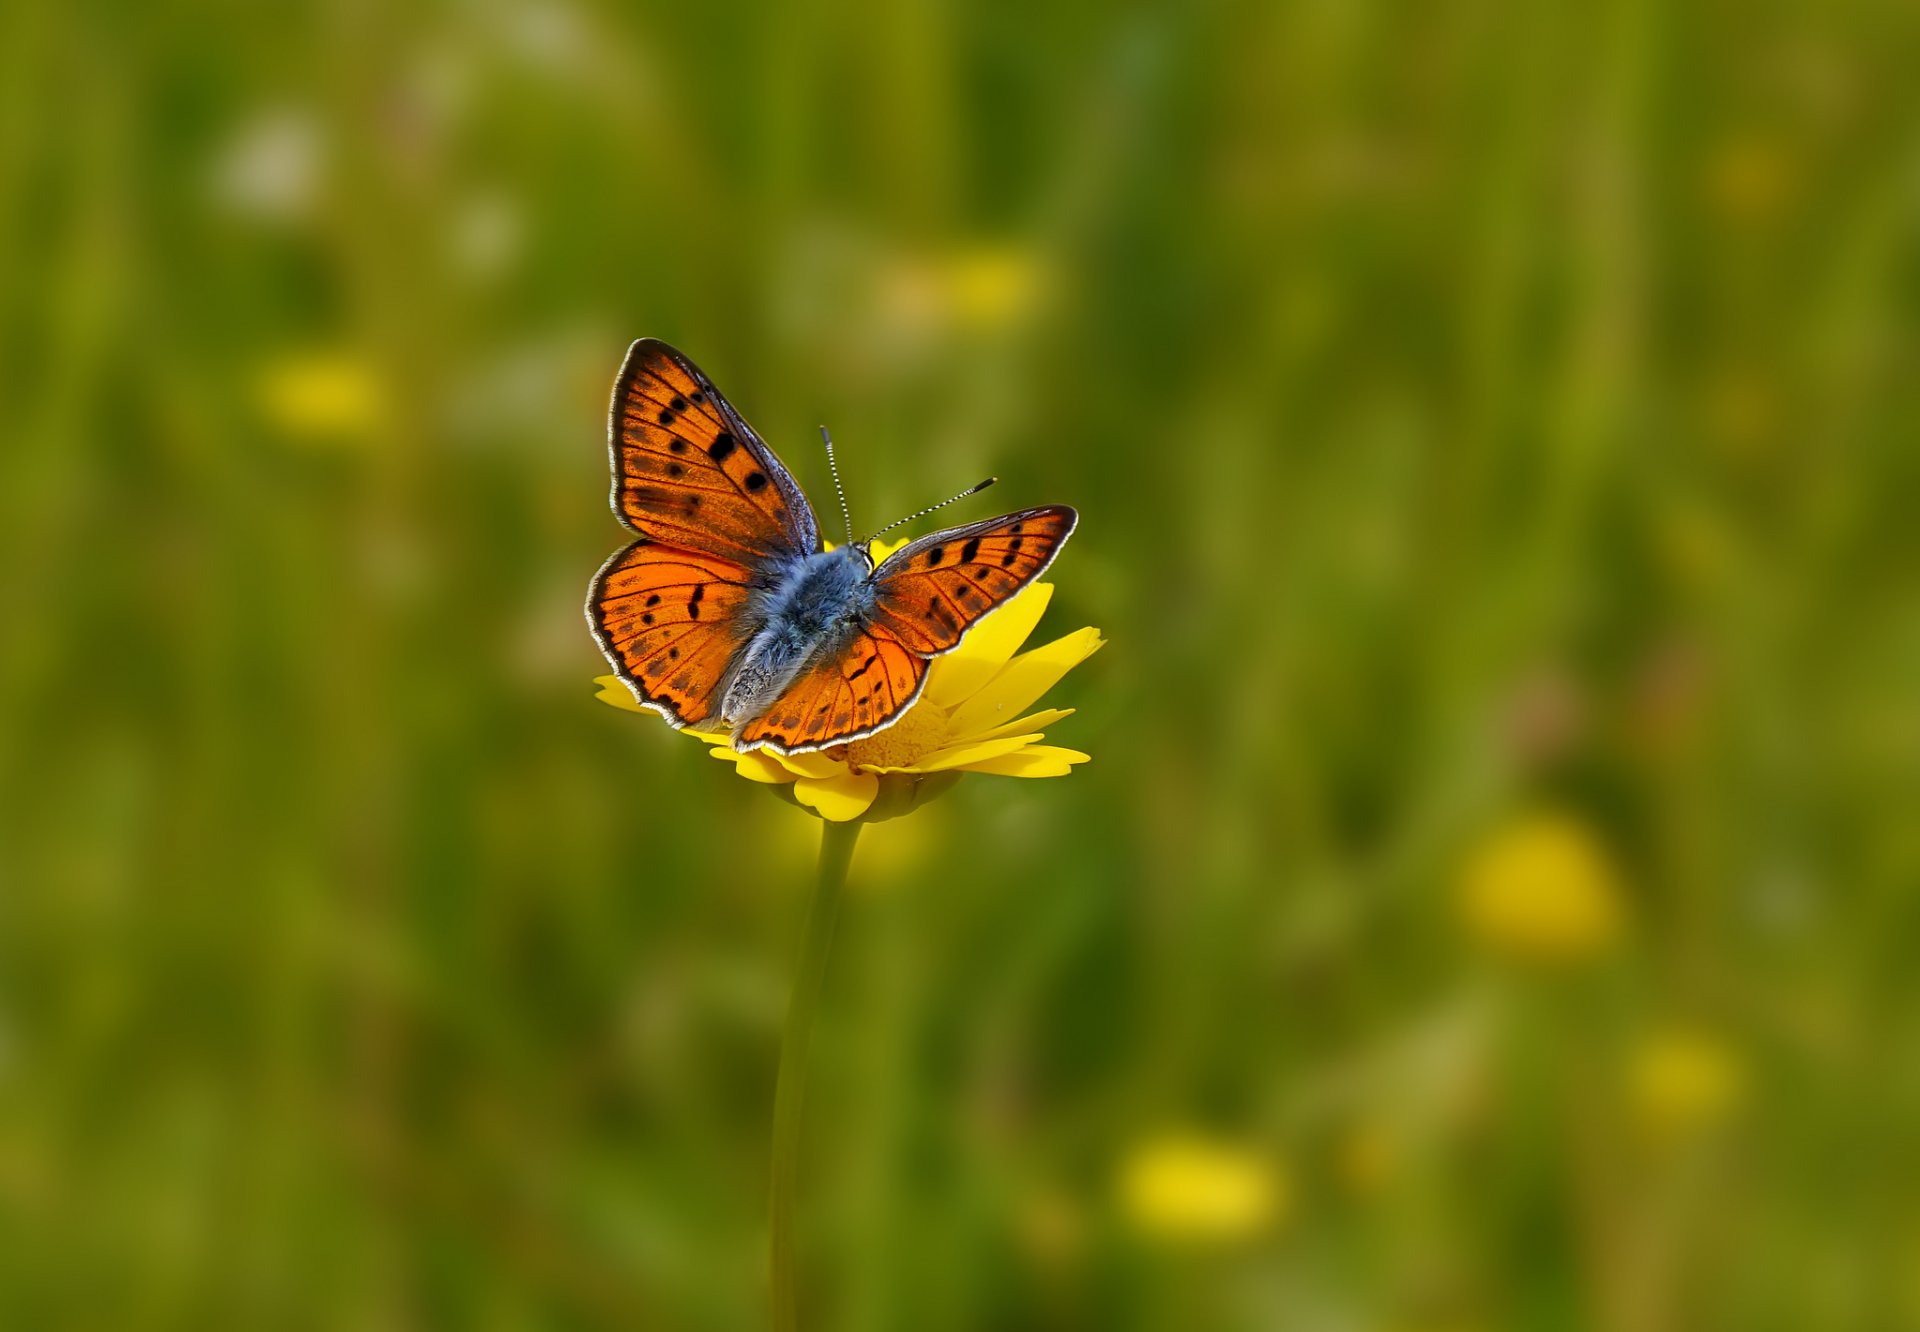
pixel 756 482
pixel 968 551
pixel 722 447
pixel 935 555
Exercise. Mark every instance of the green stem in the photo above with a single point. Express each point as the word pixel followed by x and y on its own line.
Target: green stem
pixel 836 854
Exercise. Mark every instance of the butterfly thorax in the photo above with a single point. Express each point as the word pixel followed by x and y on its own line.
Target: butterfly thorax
pixel 803 611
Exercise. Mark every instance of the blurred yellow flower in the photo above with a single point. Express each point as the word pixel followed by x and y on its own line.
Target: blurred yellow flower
pixel 980 288
pixel 321 395
pixel 1185 1187
pixel 990 287
pixel 969 719
pixel 1542 890
pixel 1680 1082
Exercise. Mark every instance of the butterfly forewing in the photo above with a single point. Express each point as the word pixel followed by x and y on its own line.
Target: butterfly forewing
pixel 688 471
pixel 664 617
pixel 854 694
pixel 931 591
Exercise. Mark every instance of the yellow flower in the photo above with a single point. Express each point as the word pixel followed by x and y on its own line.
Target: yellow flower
pixel 1680 1082
pixel 1186 1187
pixel 1542 890
pixel 321 395
pixel 971 718
pixel 992 286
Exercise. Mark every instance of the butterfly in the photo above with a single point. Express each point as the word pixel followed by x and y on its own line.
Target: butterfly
pixel 728 613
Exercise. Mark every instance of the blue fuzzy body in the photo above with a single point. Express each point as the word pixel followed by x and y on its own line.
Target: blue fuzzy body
pixel 805 609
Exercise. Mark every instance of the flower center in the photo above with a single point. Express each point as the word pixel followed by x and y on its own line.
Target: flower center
pixel 920 732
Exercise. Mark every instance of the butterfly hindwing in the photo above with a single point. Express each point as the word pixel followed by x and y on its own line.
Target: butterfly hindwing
pixel 931 591
pixel 664 617
pixel 843 698
pixel 688 471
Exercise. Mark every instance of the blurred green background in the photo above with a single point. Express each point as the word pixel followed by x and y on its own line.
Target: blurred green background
pixel 1490 904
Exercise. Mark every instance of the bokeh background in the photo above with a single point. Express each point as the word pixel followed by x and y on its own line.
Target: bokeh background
pixel 1491 901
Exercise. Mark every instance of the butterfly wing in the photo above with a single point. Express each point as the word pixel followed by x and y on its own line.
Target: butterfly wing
pixel 931 591
pixel 863 690
pixel 663 617
pixel 689 472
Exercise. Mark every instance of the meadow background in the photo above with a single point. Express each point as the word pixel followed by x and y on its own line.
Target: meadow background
pixel 1491 901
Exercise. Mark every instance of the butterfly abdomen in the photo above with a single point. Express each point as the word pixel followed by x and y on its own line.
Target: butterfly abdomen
pixel 811 610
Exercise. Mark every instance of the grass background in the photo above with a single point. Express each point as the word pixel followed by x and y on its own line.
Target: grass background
pixel 1471 407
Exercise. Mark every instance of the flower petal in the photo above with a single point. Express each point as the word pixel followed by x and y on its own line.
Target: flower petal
pixel 615 694
pixel 813 764
pixel 955 756
pixel 838 799
pixel 1023 680
pixel 710 737
pixel 987 647
pixel 1033 721
pixel 755 767
pixel 1033 761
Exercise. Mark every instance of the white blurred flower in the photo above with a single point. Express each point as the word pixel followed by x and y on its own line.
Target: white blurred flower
pixel 271 167
pixel 485 235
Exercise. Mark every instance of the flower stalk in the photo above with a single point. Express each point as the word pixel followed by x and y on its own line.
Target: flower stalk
pixel 836 855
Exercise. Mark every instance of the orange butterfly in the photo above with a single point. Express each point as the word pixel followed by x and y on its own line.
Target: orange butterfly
pixel 728 612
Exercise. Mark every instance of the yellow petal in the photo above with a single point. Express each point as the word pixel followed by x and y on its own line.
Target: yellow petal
pixel 710 737
pixel 1033 721
pixel 813 764
pixel 838 799
pixel 955 756
pixel 987 647
pixel 876 550
pixel 755 767
pixel 1033 761
pixel 614 693
pixel 1023 680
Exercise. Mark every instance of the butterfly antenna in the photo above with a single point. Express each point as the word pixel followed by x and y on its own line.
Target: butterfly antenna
pixel 846 514
pixel 970 490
